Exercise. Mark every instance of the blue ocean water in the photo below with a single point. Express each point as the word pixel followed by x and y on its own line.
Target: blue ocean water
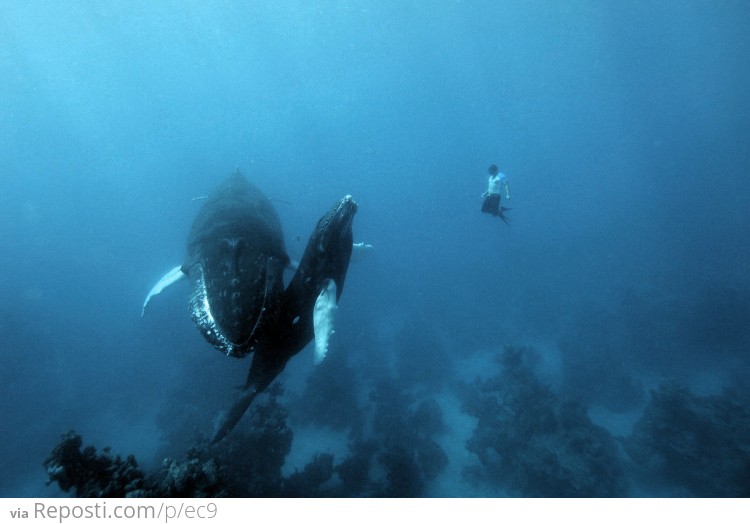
pixel 609 324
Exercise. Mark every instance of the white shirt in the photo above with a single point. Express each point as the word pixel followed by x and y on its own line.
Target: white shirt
pixel 495 183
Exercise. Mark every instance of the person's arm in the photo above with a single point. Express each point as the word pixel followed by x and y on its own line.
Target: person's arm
pixel 507 189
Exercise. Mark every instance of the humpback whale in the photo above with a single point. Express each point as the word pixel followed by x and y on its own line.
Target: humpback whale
pixel 235 261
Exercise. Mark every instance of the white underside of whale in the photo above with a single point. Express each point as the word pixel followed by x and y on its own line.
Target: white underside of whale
pixel 324 311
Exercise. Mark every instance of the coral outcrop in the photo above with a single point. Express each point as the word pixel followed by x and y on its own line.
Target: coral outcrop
pixel 698 445
pixel 532 443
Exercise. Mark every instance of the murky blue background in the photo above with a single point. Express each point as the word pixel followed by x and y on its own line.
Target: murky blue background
pixel 622 128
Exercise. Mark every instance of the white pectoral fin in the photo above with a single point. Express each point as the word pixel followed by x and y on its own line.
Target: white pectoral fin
pixel 360 250
pixel 361 246
pixel 170 278
pixel 323 316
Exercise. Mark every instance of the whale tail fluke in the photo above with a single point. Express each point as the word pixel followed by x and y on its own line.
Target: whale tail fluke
pixel 229 418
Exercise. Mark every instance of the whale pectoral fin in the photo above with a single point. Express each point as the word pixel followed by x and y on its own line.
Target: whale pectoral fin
pixel 361 246
pixel 174 275
pixel 323 317
pixel 361 250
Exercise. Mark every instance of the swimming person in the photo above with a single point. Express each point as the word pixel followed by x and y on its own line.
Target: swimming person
pixel 491 204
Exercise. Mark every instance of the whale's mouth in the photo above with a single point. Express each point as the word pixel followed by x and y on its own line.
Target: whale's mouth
pixel 337 222
pixel 343 215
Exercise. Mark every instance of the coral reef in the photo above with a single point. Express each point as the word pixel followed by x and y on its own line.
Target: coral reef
pixel 699 445
pixel 406 450
pixel 397 458
pixel 93 474
pixel 246 464
pixel 252 460
pixel 531 443
pixel 403 477
pixel 354 470
pixel 194 476
pixel 309 482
